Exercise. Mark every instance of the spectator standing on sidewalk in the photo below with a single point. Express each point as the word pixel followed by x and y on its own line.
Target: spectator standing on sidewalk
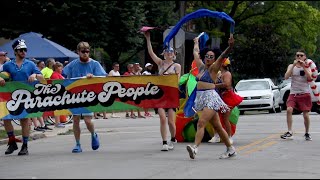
pixel 148 69
pixel 129 72
pixel 114 72
pixel 84 66
pixel 137 72
pixel 57 74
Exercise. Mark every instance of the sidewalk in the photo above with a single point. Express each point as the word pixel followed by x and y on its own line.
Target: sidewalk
pixel 34 135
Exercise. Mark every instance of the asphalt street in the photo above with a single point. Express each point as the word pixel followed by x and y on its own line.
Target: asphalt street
pixel 130 148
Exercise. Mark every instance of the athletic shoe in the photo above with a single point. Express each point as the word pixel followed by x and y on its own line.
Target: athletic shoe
pixel 60 125
pixel 77 149
pixel 24 150
pixel 171 144
pixel 127 115
pixel 192 151
pixel 287 135
pixel 165 147
pixel 229 153
pixel 147 114
pixel 307 137
pixel 45 127
pixel 115 116
pixel 38 129
pixel 95 142
pixel 12 146
pixel 215 139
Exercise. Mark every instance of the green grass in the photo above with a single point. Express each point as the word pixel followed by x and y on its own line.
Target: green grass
pixel 3 133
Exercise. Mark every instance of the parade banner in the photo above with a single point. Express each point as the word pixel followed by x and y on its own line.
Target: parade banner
pixel 99 94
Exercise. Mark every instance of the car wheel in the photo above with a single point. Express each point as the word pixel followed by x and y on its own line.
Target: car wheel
pixel 279 109
pixel 317 109
pixel 273 109
pixel 285 98
pixel 241 112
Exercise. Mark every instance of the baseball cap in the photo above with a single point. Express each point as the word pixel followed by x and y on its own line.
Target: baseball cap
pixel 3 53
pixel 148 64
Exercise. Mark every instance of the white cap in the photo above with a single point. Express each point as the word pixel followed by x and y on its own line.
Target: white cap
pixel 148 64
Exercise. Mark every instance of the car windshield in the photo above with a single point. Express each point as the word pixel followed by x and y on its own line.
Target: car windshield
pixel 252 85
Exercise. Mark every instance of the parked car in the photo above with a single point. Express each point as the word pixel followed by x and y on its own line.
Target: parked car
pixel 285 91
pixel 258 94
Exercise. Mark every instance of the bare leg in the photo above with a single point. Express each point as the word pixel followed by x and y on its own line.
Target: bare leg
pixel 171 122
pixel 227 122
pixel 25 127
pixel 222 133
pixel 306 120
pixel 289 118
pixel 206 115
pixel 163 123
pixel 89 124
pixel 76 127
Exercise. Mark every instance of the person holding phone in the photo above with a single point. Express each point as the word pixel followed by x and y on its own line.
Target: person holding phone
pixel 299 97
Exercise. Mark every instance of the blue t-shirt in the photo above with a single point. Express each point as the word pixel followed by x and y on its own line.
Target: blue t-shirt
pixel 77 69
pixel 20 74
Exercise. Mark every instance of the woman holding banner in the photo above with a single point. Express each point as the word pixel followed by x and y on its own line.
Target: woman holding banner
pixel 208 100
pixel 166 66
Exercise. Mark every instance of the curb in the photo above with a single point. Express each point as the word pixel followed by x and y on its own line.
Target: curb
pixel 38 135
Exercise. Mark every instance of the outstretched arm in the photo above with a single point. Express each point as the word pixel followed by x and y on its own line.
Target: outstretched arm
pixel 215 67
pixel 154 57
pixel 196 53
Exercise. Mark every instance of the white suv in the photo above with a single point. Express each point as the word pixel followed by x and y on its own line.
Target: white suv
pixel 284 93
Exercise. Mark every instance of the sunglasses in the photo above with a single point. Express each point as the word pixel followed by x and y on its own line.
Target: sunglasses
pixel 209 56
pixel 85 52
pixel 22 49
pixel 168 51
pixel 300 55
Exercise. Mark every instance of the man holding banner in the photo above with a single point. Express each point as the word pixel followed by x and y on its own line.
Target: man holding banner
pixel 84 67
pixel 20 69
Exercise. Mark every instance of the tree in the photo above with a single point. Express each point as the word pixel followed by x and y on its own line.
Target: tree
pixel 295 25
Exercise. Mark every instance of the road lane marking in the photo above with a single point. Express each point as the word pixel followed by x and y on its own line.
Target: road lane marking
pixel 268 144
pixel 256 142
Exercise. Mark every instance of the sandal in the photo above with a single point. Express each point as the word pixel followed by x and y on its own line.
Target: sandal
pixel 133 116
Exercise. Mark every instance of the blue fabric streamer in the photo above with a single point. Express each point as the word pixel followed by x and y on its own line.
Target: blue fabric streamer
pixel 202 41
pixel 187 110
pixel 197 14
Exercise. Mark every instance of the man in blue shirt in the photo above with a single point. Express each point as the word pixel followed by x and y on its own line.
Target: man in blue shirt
pixel 20 69
pixel 84 67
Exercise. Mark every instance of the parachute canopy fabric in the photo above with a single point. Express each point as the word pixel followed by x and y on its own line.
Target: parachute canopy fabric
pixel 41 48
pixel 198 14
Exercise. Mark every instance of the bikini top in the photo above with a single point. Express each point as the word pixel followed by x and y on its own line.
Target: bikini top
pixel 205 77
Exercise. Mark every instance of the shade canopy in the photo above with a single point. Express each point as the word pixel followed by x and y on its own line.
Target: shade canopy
pixel 40 48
